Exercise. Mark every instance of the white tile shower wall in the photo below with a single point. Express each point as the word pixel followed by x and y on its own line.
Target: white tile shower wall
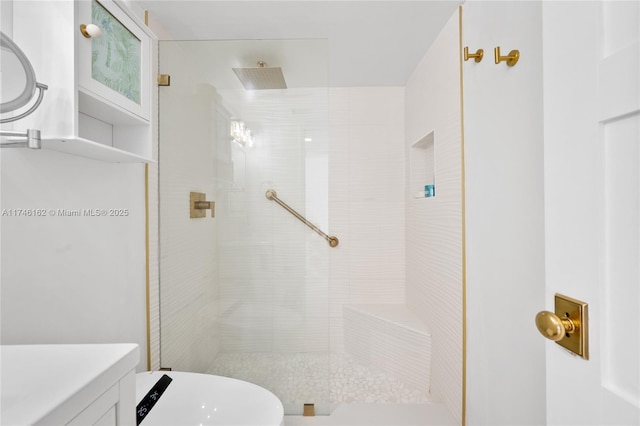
pixel 434 225
pixel 153 248
pixel 188 267
pixel 273 279
pixel 366 200
pixel 154 266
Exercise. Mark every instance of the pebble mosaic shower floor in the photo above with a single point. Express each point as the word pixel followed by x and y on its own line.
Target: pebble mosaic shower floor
pixel 311 377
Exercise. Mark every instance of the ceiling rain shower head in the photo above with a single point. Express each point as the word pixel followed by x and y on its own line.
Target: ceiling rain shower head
pixel 261 77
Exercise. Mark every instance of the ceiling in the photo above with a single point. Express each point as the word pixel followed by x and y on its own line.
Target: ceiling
pixel 368 43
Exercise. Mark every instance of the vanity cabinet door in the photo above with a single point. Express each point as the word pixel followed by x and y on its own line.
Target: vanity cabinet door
pixel 114 407
pixel 101 412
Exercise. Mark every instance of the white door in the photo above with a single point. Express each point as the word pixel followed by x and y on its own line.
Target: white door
pixel 591 56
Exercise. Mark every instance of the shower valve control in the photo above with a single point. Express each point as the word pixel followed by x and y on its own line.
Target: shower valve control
pixel 198 205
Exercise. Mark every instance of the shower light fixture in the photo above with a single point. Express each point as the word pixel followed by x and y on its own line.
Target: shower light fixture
pixel 241 134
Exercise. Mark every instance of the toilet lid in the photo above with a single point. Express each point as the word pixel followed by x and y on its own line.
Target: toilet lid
pixel 204 399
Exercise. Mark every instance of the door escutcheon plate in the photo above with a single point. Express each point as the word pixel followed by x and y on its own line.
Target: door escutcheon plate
pixel 578 341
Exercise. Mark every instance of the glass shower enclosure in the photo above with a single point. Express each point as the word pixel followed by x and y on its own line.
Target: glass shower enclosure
pixel 244 289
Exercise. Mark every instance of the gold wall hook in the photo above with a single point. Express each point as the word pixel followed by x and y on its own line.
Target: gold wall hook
pixel 477 57
pixel 198 205
pixel 511 59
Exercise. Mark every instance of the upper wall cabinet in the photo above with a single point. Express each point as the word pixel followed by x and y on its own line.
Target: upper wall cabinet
pixel 114 68
pixel 99 100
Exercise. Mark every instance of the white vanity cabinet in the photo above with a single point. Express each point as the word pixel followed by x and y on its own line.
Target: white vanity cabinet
pixel 100 90
pixel 68 384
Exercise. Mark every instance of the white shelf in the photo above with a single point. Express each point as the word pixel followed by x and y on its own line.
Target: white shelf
pixel 97 151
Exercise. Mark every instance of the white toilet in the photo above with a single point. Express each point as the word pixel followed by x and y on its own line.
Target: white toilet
pixel 203 399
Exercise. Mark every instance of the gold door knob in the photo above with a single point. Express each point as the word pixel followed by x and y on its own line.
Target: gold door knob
pixel 554 327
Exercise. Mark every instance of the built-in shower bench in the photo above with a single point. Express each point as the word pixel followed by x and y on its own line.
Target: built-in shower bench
pixel 390 338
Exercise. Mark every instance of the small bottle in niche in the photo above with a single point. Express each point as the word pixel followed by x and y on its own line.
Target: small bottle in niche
pixel 429 191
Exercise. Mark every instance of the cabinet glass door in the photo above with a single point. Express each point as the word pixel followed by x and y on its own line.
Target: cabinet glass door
pixel 115 57
pixel 115 67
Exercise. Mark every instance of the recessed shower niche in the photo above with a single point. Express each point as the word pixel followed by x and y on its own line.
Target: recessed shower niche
pixel 422 167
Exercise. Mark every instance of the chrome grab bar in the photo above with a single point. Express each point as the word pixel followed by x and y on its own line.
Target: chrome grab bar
pixel 273 196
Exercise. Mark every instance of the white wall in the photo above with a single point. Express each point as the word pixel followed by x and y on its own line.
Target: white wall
pixel 434 225
pixel 366 200
pixel 71 279
pixel 504 215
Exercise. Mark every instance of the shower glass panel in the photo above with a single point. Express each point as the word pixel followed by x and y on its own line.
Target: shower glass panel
pixel 245 294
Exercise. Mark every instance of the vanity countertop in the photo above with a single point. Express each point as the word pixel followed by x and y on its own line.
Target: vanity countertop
pixel 43 383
